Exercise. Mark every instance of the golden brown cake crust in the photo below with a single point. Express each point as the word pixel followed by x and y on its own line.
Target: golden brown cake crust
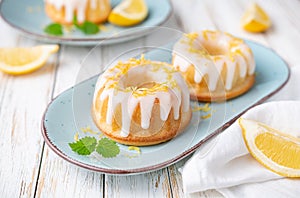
pixel 207 96
pixel 93 15
pixel 224 65
pixel 141 102
pixel 168 129
pixel 163 136
pixel 200 91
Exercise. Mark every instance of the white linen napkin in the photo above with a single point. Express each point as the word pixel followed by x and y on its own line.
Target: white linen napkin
pixel 225 164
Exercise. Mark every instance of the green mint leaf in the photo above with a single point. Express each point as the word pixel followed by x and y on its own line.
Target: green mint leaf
pixel 84 146
pixel 107 148
pixel 54 29
pixel 88 27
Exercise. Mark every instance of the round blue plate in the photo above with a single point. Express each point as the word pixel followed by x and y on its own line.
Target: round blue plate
pixel 66 115
pixel 28 17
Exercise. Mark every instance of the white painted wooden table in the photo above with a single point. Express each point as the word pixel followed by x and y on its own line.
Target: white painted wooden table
pixel 28 168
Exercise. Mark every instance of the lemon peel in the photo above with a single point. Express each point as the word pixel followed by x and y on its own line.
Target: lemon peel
pixel 129 13
pixel 16 61
pixel 276 150
pixel 255 19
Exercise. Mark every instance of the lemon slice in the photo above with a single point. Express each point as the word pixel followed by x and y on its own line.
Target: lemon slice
pixel 277 151
pixel 255 19
pixel 128 13
pixel 17 61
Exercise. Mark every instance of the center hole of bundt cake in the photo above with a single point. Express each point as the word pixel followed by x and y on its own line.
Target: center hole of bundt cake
pixel 147 85
pixel 214 49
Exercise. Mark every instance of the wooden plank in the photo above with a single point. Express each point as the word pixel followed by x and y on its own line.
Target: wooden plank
pixel 59 178
pixel 227 17
pixel 154 184
pixel 193 16
pixel 9 36
pixel 283 17
pixel 22 103
pixel 283 37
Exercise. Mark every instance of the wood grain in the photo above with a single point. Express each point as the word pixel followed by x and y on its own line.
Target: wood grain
pixel 23 100
pixel 154 184
pixel 28 168
pixel 57 177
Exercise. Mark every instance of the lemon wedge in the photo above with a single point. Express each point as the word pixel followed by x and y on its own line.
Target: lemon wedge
pixel 255 19
pixel 128 13
pixel 277 151
pixel 18 61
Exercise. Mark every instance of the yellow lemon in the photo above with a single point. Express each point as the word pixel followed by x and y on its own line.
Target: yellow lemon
pixel 255 19
pixel 277 151
pixel 128 13
pixel 17 61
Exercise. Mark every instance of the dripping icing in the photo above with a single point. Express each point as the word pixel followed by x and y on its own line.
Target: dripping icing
pixel 71 6
pixel 190 48
pixel 170 89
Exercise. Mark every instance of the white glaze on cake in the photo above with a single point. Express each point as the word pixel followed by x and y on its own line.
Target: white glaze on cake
pixel 189 50
pixel 121 83
pixel 72 7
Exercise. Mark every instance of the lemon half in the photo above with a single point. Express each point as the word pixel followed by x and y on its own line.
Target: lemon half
pixel 277 151
pixel 18 61
pixel 128 13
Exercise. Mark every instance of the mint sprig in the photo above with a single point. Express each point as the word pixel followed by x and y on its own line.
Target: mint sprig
pixel 54 29
pixel 84 146
pixel 88 28
pixel 105 147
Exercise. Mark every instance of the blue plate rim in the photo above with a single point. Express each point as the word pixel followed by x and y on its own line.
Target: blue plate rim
pixel 167 163
pixel 88 41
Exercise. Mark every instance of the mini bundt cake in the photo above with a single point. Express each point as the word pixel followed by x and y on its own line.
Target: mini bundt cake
pixel 64 11
pixel 216 65
pixel 141 102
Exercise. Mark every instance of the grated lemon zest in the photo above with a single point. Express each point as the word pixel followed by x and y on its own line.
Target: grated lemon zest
pixel 206 116
pixel 76 136
pixel 217 58
pixel 121 68
pixel 191 38
pixel 88 130
pixel 212 34
pixel 204 108
pixel 134 148
pixel 192 35
pixel 138 92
